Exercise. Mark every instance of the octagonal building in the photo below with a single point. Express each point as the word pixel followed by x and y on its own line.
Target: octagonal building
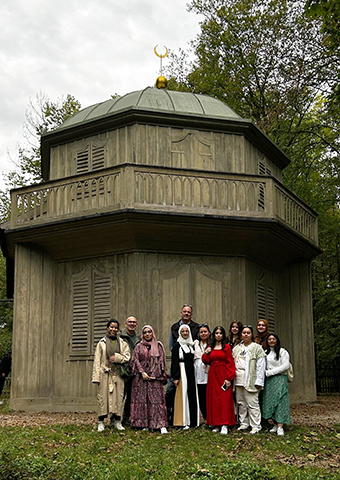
pixel 150 201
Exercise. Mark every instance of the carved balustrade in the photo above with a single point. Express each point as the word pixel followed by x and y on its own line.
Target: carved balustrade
pixel 162 190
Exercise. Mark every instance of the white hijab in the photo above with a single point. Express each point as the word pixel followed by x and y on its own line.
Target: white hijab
pixel 185 343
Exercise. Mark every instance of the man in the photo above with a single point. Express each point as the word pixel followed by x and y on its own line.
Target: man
pixel 130 336
pixel 5 368
pixel 186 314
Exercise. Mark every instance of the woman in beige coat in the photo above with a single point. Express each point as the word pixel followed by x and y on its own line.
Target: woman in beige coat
pixel 111 352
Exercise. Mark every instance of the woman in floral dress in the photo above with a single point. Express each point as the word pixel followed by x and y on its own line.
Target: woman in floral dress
pixel 148 410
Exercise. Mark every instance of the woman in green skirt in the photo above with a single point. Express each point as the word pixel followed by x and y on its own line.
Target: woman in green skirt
pixel 275 401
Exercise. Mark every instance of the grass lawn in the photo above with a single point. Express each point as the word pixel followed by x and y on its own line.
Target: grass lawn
pixel 73 452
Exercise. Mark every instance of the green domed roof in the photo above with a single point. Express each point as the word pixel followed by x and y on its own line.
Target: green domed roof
pixel 154 99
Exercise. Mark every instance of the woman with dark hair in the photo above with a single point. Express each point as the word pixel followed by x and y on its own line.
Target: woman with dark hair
pixel 148 368
pixel 111 352
pixel 250 361
pixel 186 411
pixel 262 328
pixel 234 336
pixel 220 403
pixel 275 401
pixel 201 374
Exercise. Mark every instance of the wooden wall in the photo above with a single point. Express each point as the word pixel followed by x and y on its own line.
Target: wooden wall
pixel 296 329
pixel 49 373
pixel 33 329
pixel 165 146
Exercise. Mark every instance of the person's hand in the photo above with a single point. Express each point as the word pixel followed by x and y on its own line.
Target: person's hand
pixel 112 358
pixel 227 383
pixel 176 382
pixel 145 376
pixel 208 350
pixel 152 378
pixel 3 375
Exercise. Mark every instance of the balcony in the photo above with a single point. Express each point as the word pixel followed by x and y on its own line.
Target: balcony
pixel 162 190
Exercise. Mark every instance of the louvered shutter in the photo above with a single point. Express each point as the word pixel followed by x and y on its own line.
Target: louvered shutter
pixel 101 307
pixel 80 316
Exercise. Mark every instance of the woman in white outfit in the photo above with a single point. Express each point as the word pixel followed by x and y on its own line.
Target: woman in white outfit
pixel 250 362
pixel 201 374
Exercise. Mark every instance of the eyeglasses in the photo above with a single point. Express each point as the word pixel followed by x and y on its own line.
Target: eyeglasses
pixel 187 305
pixel 203 325
pixel 247 326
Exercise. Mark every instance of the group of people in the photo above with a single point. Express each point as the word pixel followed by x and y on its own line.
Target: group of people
pixel 228 378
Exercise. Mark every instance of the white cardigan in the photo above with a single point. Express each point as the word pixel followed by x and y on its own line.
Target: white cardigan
pixel 277 367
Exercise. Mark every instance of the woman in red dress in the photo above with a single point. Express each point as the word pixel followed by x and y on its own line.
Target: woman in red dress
pixel 220 402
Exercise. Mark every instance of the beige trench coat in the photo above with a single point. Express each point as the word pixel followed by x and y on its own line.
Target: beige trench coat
pixel 111 385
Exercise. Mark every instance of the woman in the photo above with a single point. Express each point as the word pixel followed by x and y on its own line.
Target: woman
pixel 220 403
pixel 201 374
pixel 148 368
pixel 275 402
pixel 262 328
pixel 250 361
pixel 234 336
pixel 111 352
pixel 186 411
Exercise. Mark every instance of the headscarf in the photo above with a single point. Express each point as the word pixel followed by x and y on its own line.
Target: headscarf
pixel 262 338
pixel 154 350
pixel 185 343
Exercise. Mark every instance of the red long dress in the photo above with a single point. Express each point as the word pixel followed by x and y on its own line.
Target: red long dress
pixel 220 404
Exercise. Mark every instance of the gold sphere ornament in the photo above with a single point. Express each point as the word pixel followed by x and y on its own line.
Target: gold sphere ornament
pixel 161 82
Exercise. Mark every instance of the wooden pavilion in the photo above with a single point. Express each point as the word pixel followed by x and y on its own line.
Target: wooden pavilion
pixel 150 201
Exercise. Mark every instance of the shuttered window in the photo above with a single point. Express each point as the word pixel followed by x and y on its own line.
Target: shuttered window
pixel 80 313
pixel 91 299
pixel 101 307
pixel 263 169
pixel 266 304
pixel 91 158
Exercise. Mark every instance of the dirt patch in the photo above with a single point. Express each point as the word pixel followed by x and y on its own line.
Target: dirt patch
pixel 325 412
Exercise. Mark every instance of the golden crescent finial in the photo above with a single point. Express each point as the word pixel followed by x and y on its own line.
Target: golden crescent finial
pixel 161 56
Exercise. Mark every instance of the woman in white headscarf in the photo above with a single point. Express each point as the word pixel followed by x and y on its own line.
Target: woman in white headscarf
pixel 186 410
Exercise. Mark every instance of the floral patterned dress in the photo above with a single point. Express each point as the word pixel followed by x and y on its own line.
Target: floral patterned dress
pixel 148 408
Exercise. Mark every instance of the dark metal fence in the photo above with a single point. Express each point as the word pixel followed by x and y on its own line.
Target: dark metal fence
pixel 328 377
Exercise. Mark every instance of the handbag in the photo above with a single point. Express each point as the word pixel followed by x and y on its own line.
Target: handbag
pixel 290 373
pixel 125 371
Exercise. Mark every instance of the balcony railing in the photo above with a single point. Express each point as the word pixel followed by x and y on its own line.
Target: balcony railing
pixel 162 190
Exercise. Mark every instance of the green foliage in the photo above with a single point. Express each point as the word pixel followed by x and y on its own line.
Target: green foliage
pixel 329 12
pixel 6 313
pixel 79 452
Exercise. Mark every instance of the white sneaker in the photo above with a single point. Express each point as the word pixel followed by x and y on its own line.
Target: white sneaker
pixel 280 431
pixel 273 430
pixel 216 430
pixel 101 426
pixel 254 430
pixel 145 429
pixel 186 427
pixel 164 430
pixel 224 430
pixel 242 428
pixel 118 426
